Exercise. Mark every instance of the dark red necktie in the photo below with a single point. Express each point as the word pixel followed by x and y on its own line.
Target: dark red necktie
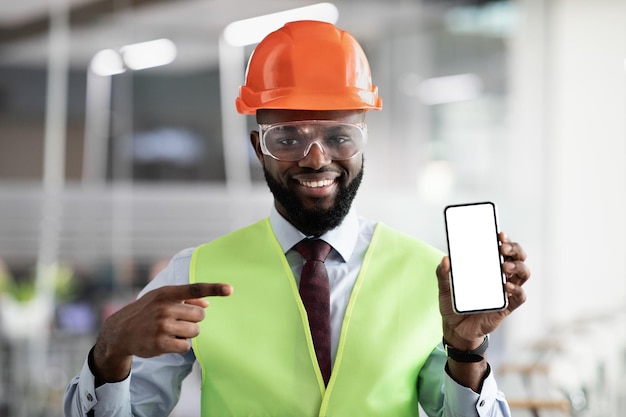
pixel 315 294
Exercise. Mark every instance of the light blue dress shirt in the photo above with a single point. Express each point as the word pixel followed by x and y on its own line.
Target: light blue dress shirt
pixel 153 387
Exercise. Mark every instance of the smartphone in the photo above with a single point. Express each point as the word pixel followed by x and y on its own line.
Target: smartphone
pixel 476 276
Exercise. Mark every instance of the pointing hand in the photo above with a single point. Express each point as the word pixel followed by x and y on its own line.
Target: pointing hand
pixel 159 322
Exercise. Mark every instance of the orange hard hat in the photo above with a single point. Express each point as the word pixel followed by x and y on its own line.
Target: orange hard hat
pixel 308 65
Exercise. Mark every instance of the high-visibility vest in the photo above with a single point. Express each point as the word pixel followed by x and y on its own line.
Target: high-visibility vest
pixel 255 347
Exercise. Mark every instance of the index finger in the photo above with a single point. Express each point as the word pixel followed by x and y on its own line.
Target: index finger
pixel 197 290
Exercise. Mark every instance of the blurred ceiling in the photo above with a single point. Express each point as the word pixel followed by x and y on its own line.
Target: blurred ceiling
pixel 194 25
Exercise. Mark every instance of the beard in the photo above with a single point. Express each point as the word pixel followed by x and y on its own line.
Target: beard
pixel 317 221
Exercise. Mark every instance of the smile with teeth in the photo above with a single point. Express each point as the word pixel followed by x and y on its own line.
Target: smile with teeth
pixel 316 184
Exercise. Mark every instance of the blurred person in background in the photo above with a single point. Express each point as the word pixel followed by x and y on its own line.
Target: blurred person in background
pixel 363 337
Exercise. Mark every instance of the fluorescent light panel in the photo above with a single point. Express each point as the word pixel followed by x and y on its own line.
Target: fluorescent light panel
pixel 137 56
pixel 450 89
pixel 107 63
pixel 251 31
pixel 149 54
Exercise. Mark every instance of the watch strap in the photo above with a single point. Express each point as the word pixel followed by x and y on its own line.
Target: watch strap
pixel 467 356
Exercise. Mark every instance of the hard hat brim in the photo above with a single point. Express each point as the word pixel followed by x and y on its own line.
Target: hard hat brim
pixel 351 98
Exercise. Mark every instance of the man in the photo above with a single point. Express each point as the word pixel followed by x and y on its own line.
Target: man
pixel 371 345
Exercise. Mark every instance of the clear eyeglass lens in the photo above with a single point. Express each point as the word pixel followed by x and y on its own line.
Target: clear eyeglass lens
pixel 292 141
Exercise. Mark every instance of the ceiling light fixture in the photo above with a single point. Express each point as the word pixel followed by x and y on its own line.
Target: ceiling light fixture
pixel 251 31
pixel 107 63
pixel 149 54
pixel 137 56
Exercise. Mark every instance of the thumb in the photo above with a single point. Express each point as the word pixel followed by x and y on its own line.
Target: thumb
pixel 200 302
pixel 443 274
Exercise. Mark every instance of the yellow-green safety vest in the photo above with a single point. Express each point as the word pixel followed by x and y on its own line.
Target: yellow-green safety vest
pixel 255 347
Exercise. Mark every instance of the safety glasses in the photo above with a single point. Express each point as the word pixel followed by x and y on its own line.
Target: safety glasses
pixel 292 141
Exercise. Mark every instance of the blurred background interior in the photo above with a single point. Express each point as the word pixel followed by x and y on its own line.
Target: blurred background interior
pixel 108 167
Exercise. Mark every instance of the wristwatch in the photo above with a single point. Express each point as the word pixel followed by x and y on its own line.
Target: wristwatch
pixel 467 356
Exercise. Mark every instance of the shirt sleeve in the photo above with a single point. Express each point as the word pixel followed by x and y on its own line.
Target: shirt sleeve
pixel 156 382
pixel 441 396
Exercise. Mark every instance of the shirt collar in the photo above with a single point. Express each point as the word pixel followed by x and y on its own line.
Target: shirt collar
pixel 343 238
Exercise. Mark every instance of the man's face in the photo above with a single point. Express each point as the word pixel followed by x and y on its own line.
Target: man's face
pixel 315 192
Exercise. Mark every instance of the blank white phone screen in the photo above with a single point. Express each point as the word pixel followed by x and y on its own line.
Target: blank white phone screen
pixel 476 272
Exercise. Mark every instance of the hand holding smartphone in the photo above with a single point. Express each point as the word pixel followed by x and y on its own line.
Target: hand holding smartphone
pixel 476 276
